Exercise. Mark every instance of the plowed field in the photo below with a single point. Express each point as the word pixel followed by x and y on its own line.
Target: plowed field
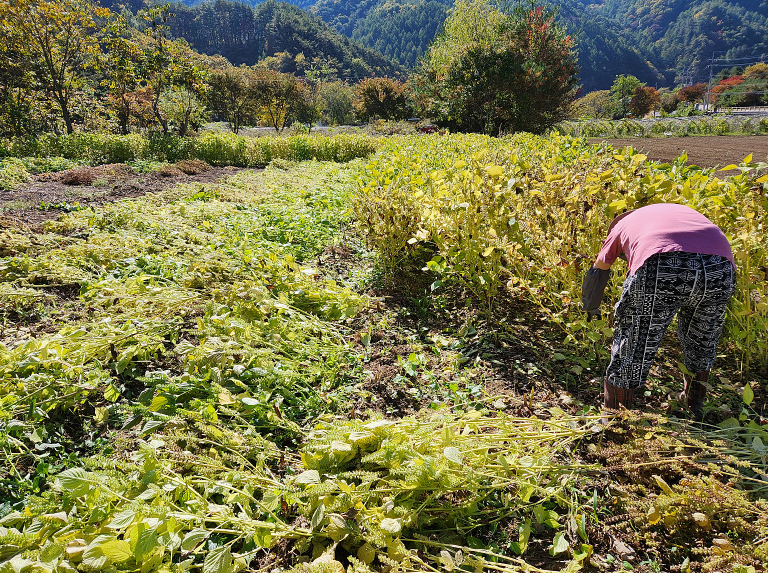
pixel 705 151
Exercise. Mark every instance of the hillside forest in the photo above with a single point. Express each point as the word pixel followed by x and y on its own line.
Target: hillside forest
pixel 661 43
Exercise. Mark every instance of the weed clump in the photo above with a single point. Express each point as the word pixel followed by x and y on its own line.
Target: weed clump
pixel 79 176
pixel 12 174
pixel 169 171
pixel 192 166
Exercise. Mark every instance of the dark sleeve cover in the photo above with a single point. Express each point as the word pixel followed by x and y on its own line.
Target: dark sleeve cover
pixel 593 287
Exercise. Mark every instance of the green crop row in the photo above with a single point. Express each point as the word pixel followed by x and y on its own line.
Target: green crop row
pixel 215 148
pixel 678 127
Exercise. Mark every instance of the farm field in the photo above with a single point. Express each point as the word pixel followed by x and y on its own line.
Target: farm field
pixel 378 365
pixel 704 151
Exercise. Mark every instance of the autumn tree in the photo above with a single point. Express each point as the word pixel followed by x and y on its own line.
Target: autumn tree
pixel 280 97
pixel 234 95
pixel 495 71
pixel 594 105
pixel 380 98
pixel 121 66
pixel 692 94
pixel 168 64
pixel 644 100
pixel 58 39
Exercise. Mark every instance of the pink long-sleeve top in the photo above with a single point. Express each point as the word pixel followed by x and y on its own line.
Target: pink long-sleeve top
pixel 662 228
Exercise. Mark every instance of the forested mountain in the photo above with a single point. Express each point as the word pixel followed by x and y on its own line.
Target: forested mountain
pixel 659 41
pixel 287 37
pixel 681 37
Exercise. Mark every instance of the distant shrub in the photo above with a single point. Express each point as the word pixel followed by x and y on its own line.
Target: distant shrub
pixel 218 149
pixel 12 173
pixel 221 149
pixel 47 164
pixel 169 148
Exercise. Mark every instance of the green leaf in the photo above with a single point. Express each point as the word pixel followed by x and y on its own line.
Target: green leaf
pixel 75 481
pixel 453 454
pixel 111 393
pixel 158 403
pixel 193 539
pixel 94 558
pixel 218 561
pixel 546 517
pixel 117 550
pixel 749 395
pixel 366 553
pixel 146 544
pixel 559 544
pixel 308 477
pixel 317 517
pixel 122 520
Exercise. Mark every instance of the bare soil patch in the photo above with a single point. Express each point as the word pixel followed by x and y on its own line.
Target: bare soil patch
pixel 50 194
pixel 704 151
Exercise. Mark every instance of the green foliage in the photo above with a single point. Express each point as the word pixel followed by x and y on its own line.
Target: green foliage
pixel 337 103
pixel 183 109
pixel 51 152
pixel 622 91
pixel 270 29
pixel 492 212
pixel 12 173
pixel 380 98
pixel 687 121
pixel 594 105
pixel 494 72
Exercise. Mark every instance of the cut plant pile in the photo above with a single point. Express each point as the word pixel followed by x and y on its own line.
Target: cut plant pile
pixel 194 379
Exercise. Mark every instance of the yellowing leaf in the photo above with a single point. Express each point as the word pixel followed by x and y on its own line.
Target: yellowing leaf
pixel 653 515
pixel 218 560
pixel 453 454
pixel 308 477
pixel 494 170
pixel 748 395
pixel 663 485
pixel 701 520
pixel 488 251
pixel 559 544
pixel 117 550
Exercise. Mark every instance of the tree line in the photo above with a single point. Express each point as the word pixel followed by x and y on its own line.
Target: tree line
pixel 73 64
pixel 67 64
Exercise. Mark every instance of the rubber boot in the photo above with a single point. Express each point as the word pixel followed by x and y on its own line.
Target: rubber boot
pixel 615 397
pixel 693 394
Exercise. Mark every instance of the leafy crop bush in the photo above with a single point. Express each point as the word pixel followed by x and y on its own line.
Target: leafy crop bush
pixel 168 148
pixel 12 173
pixel 213 148
pixel 532 213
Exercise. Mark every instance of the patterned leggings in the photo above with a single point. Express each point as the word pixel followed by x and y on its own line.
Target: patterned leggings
pixel 696 287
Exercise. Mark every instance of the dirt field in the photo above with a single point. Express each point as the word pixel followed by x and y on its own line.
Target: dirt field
pixel 704 151
pixel 47 196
